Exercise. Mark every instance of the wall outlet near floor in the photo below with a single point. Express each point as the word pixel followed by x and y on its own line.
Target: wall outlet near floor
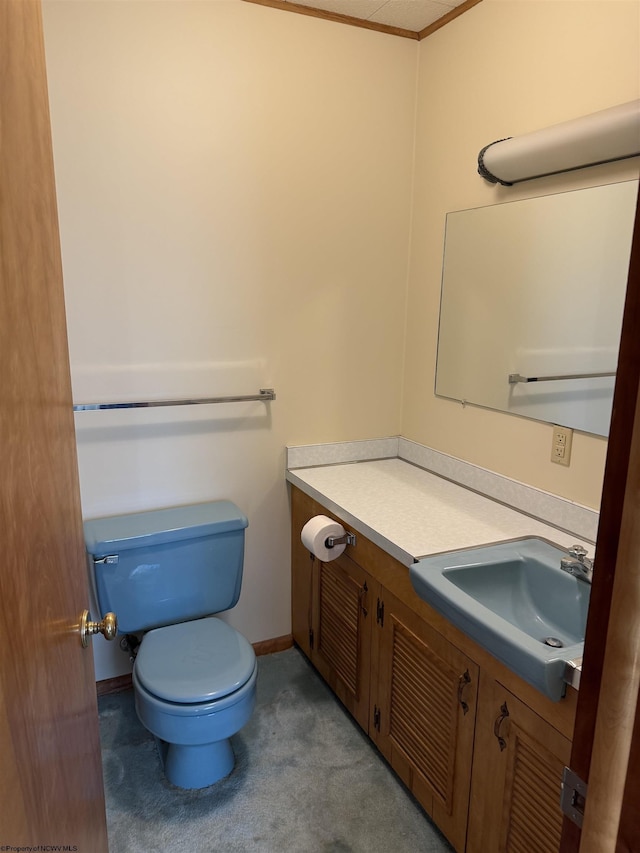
pixel 561 445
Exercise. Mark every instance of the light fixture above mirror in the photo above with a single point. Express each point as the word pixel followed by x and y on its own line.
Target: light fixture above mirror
pixel 602 137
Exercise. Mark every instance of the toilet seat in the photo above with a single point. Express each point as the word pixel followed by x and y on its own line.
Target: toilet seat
pixel 194 662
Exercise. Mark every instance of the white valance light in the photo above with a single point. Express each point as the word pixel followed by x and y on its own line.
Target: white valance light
pixel 611 134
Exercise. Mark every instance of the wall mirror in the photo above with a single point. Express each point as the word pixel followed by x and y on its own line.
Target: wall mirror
pixel 532 295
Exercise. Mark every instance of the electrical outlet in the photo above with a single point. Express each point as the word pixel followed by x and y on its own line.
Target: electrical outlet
pixel 561 445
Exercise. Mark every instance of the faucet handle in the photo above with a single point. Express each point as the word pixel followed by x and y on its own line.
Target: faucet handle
pixel 578 552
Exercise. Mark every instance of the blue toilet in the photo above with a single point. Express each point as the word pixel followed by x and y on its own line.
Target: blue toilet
pixel 164 573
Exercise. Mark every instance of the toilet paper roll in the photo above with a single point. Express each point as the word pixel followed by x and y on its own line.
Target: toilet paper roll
pixel 314 535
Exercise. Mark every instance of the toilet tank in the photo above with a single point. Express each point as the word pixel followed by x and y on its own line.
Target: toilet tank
pixel 166 566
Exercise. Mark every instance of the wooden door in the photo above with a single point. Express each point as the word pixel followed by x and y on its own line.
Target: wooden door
pixel 341 638
pixel 423 699
pixel 51 790
pixel 617 826
pixel 517 774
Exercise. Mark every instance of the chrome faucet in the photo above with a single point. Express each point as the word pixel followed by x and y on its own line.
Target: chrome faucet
pixel 578 564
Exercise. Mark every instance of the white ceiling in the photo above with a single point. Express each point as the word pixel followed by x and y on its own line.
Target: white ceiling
pixel 412 15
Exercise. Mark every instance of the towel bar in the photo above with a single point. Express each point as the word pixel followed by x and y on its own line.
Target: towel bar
pixel 515 378
pixel 264 395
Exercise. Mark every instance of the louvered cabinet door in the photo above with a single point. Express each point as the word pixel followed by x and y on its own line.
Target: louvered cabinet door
pixel 517 775
pixel 341 632
pixel 423 713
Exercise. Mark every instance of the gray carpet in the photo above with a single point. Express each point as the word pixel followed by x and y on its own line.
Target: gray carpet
pixel 306 780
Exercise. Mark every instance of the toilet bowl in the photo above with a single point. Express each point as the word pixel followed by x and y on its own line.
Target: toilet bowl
pixel 194 678
pixel 195 687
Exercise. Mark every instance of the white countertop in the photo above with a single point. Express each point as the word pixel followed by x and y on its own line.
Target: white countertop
pixel 410 513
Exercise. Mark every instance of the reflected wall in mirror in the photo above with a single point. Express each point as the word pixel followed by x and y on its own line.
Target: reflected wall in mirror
pixel 536 288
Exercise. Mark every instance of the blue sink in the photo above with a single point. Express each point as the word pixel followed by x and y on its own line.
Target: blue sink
pixel 515 601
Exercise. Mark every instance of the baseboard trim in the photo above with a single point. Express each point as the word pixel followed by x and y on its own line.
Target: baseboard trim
pixel 114 685
pixel 264 647
pixel 277 644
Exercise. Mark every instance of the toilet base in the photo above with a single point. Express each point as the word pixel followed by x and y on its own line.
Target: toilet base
pixel 189 766
pixel 193 738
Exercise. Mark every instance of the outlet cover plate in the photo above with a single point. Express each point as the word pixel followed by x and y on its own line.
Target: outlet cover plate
pixel 561 445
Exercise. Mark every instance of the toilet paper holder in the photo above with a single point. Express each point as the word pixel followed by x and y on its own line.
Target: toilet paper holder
pixel 347 539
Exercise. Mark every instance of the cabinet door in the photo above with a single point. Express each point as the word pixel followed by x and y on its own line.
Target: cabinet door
pixel 341 638
pixel 423 713
pixel 517 774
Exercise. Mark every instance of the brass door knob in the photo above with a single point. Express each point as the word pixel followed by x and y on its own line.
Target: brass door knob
pixel 108 627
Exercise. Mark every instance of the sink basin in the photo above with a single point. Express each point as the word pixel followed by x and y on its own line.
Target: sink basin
pixel 515 601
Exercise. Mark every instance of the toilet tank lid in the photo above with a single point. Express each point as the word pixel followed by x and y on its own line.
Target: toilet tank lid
pixel 118 533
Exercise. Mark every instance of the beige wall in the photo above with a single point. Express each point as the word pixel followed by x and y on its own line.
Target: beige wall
pixel 503 69
pixel 234 194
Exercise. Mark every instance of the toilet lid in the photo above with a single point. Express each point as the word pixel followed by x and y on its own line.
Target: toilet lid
pixel 195 661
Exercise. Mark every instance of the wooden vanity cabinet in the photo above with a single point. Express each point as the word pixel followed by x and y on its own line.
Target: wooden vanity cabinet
pixel 517 775
pixel 485 764
pixel 406 685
